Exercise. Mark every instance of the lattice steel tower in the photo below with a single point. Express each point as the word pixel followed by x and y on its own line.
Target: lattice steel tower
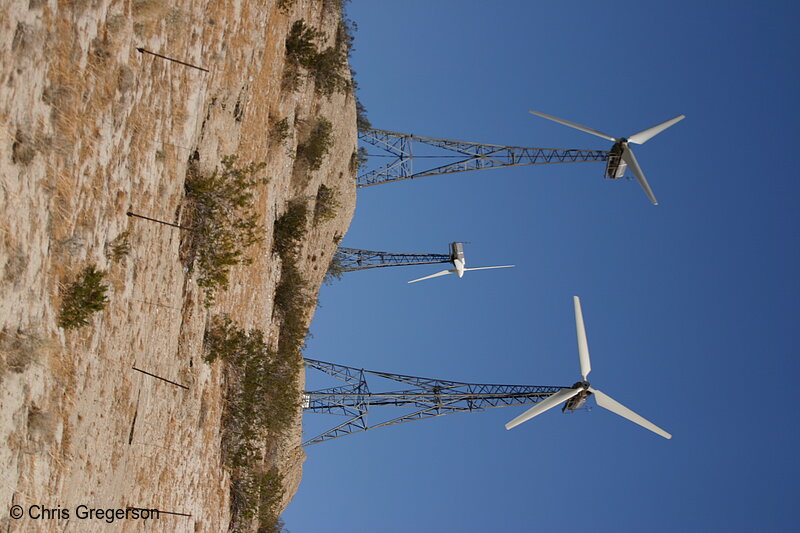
pixel 472 156
pixel 426 398
pixel 352 259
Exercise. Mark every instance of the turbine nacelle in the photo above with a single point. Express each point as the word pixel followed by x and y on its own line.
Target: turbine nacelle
pixel 460 266
pixel 575 396
pixel 621 155
pixel 577 401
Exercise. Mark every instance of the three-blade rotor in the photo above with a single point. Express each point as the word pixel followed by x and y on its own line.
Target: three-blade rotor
pixel 603 400
pixel 627 153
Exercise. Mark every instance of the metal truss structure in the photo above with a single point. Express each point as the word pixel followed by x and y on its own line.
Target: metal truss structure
pixel 426 398
pixel 476 156
pixel 351 259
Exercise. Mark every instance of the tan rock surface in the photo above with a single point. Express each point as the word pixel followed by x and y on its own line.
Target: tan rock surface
pixel 91 129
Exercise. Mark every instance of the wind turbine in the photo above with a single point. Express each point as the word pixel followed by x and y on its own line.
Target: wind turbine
pixel 576 395
pixel 459 264
pixel 621 155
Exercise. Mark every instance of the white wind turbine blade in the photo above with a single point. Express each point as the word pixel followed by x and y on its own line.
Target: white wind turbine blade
pixel 575 125
pixel 487 268
pixel 583 345
pixel 607 402
pixel 645 135
pixel 442 273
pixel 628 157
pixel 548 403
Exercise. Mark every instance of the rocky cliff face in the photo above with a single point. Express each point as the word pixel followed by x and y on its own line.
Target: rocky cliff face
pixel 92 129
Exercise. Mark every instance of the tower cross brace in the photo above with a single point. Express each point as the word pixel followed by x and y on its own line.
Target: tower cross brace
pixel 352 259
pixel 426 397
pixel 476 156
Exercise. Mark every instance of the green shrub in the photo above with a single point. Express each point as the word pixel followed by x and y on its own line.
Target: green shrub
pixel 279 131
pixel 85 296
pixel 333 5
pixel 318 144
pixel 262 398
pixel 285 5
pixel 223 217
pixel 291 78
pixel 345 37
pixel 328 68
pixel 335 269
pixel 223 340
pixel 358 159
pixel 301 48
pixel 329 71
pixel 264 390
pixel 362 122
pixel 345 34
pixel 290 228
pixel 292 293
pixel 257 496
pixel 119 247
pixel 327 204
pixel 292 299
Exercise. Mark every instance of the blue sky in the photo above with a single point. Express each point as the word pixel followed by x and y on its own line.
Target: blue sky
pixel 690 306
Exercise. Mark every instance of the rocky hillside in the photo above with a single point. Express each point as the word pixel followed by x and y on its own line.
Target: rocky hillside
pixel 125 411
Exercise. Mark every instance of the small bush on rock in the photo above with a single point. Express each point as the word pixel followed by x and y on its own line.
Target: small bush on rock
pixel 223 219
pixel 82 298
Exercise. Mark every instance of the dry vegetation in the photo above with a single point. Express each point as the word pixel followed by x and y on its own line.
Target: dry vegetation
pixel 318 144
pixel 21 349
pixel 220 210
pixel 327 204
